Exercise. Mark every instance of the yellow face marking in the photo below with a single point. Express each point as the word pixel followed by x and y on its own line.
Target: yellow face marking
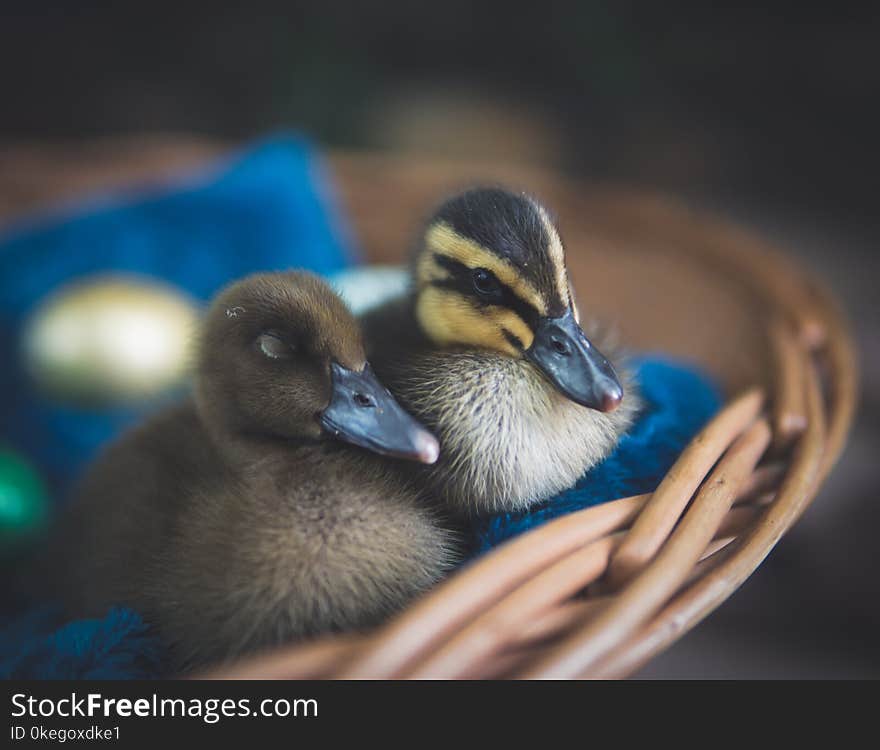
pixel 428 270
pixel 443 239
pixel 449 318
pixel 557 255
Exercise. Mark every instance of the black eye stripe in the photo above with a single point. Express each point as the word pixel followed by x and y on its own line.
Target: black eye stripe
pixel 513 339
pixel 461 281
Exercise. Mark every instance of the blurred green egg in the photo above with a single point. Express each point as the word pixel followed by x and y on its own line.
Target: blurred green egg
pixel 24 506
pixel 110 339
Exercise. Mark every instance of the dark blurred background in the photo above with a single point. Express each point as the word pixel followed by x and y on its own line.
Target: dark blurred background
pixel 767 114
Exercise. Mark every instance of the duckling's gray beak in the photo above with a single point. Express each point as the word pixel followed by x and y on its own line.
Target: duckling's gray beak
pixel 563 353
pixel 363 412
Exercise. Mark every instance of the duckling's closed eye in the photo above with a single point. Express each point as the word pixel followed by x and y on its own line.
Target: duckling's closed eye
pixel 273 346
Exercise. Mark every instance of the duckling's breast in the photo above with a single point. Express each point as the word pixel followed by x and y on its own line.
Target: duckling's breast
pixel 508 438
pixel 312 541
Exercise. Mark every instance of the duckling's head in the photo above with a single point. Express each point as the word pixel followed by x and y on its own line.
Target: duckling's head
pixel 490 273
pixel 282 357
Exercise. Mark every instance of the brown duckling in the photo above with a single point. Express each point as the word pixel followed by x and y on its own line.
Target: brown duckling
pixel 487 350
pixel 259 511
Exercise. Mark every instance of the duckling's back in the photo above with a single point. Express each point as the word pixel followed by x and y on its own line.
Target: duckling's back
pixel 324 538
pixel 125 509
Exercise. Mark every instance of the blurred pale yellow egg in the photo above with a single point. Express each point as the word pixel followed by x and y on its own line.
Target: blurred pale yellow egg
pixel 111 339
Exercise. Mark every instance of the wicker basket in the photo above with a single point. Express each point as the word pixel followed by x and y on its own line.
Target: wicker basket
pixel 599 592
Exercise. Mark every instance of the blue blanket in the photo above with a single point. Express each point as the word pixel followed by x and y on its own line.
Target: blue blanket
pixel 40 645
pixel 265 209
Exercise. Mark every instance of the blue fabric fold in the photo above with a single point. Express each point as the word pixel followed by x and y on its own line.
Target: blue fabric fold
pixel 42 646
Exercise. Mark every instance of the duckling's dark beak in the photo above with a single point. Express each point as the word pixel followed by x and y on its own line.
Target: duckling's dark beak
pixel 363 412
pixel 563 353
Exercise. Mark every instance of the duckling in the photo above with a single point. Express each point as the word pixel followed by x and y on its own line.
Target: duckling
pixel 258 511
pixel 487 350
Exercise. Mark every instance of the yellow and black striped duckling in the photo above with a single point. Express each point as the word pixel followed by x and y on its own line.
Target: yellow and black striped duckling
pixel 246 517
pixel 487 351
